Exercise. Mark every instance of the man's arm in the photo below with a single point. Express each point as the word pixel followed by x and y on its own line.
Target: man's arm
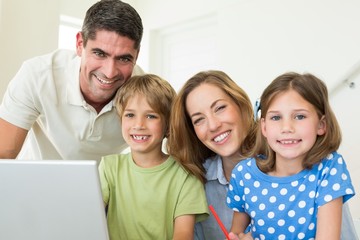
pixel 11 139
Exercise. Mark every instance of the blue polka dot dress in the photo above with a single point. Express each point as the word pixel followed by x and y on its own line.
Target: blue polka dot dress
pixel 286 207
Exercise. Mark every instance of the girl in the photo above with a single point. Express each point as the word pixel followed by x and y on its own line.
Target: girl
pixel 148 193
pixel 295 187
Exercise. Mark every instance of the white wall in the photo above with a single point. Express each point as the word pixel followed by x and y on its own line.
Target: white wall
pixel 256 41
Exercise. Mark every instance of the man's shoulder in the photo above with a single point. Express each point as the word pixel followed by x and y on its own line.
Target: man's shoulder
pixel 55 59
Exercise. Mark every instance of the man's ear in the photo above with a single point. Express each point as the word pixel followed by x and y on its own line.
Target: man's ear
pixel 79 43
pixel 322 126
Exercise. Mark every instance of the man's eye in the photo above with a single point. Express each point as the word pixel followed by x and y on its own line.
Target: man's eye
pixel 99 54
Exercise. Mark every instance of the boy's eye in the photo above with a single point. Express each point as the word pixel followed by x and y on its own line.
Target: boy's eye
pixel 151 116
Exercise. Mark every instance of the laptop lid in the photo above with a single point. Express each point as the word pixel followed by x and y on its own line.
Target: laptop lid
pixel 51 199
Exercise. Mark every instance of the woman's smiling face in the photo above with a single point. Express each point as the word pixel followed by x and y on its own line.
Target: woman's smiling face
pixel 216 119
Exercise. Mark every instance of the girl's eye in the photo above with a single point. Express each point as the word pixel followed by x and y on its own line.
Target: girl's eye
pixel 275 118
pixel 128 115
pixel 300 117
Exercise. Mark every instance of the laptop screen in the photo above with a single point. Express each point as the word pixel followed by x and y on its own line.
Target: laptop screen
pixel 51 199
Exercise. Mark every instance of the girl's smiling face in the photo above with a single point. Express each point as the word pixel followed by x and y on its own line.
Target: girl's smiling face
pixel 291 126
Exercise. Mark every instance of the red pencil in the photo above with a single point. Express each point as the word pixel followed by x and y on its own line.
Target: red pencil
pixel 219 222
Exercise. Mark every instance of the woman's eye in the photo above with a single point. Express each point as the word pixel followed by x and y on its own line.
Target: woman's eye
pixel 197 121
pixel 220 108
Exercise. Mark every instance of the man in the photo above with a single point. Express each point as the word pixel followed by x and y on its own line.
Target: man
pixel 59 106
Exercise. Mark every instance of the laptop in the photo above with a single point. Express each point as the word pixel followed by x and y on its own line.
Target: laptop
pixel 51 200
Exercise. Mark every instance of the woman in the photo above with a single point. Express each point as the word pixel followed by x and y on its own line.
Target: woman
pixel 212 125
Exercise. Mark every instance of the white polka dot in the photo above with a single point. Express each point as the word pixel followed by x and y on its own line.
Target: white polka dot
pixel 283 191
pixel 301 236
pixel 301 220
pixel 240 168
pixel 281 237
pixel 241 183
pixel 271 230
pixel 272 199
pixel 271 215
pixel 302 188
pixel 248 163
pixel 281 222
pixel 336 187
pixel 344 176
pixel 291 229
pixel 253 214
pixel 292 198
pixel 264 192
pixel 320 166
pixel 261 222
pixel 330 156
pixel 311 194
pixel 228 200
pixel 262 237
pixel 262 206
pixel 231 187
pixel 302 204
pixel 295 183
pixel 349 191
pixel 281 207
pixel 254 199
pixel 274 185
pixel 312 178
pixel 311 226
pixel 237 198
pixel 311 211
pixel 246 206
pixel 333 171
pixel 328 198
pixel 247 176
pixel 246 190
pixel 256 184
pixel 340 160
pixel 291 213
pixel 325 171
pixel 324 183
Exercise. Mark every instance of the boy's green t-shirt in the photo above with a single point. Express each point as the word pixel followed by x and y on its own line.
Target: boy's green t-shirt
pixel 144 202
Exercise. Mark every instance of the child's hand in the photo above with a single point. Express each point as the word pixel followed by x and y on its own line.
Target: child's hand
pixel 241 236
